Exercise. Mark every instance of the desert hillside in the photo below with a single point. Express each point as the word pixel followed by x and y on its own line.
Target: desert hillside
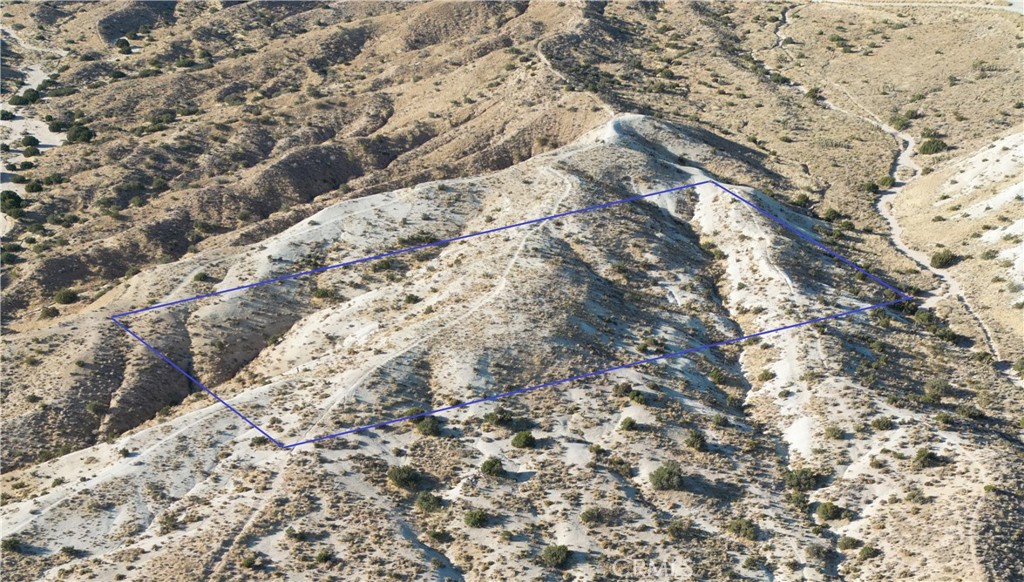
pixel 158 151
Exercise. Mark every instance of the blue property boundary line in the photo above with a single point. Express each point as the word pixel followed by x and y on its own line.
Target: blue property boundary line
pixel 901 298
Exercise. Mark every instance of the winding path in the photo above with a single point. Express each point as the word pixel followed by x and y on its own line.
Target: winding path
pixel 904 165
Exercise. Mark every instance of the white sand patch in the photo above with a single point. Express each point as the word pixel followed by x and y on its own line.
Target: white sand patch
pixel 799 436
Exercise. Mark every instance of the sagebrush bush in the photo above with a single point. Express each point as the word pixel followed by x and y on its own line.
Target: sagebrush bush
pixel 554 556
pixel 66 296
pixel 667 477
pixel 803 479
pixel 932 146
pixel 404 476
pixel 475 518
pixel 428 502
pixel 524 439
pixel 742 527
pixel 492 467
pixel 828 511
pixel 944 258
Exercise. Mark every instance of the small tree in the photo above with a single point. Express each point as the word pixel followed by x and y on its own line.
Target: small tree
pixel 29 140
pixel 123 46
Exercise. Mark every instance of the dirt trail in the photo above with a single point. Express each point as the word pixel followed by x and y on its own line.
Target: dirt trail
pixel 25 122
pixel 903 170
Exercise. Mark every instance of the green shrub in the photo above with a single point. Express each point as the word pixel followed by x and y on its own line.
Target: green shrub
pixel 828 511
pixel 66 296
pixel 96 408
pixel 6 115
pixel 250 562
pixel 492 467
pixel 932 146
pixel 848 543
pixel 622 389
pixel 524 439
pixel 554 556
pixel 696 440
pixel 883 423
pixel 868 552
pixel 201 277
pixel 831 215
pixel 596 516
pixel 404 476
pixel 944 258
pixel 969 412
pixel 937 388
pixel 899 122
pixel 886 182
pixel 11 544
pixel 667 477
pixel 428 502
pixel 324 555
pixel 29 140
pixel 742 527
pixel 79 134
pixel 718 376
pixel 925 458
pixel 802 479
pixel 833 432
pixel 31 152
pixel 680 529
pixel 818 552
pixel 475 518
pixel 499 416
pixel 11 202
pixel 429 426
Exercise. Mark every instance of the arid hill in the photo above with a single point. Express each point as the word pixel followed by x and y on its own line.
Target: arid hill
pixel 183 148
